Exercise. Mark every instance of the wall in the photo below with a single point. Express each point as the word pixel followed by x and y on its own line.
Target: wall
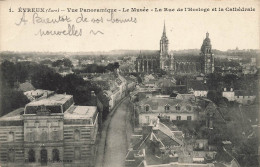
pixel 16 144
pixel 202 93
pixel 245 99
pixel 172 116
pixel 229 95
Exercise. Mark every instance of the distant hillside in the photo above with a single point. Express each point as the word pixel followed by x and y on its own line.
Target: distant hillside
pixel 123 53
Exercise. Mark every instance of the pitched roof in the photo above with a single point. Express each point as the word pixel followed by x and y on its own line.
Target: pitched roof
pixel 14 115
pixel 26 86
pixel 156 102
pixel 149 54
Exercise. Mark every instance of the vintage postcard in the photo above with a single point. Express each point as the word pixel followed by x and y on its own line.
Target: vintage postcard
pixel 129 83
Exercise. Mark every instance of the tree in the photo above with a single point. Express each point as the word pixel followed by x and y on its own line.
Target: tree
pixel 214 96
pixel 116 65
pixel 46 79
pixel 8 73
pixel 67 63
pixel 11 99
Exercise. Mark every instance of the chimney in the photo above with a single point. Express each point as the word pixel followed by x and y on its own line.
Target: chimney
pixel 231 89
pixel 93 94
pixel 93 99
pixel 225 89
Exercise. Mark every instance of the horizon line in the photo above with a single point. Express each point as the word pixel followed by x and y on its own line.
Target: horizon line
pixel 117 50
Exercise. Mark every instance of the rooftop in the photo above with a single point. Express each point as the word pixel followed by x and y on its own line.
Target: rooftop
pixel 80 112
pixel 14 115
pixel 57 99
pixel 157 103
pixel 26 86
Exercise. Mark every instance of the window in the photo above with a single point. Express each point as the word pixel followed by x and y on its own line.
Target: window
pixel 76 135
pixel 31 155
pixel 44 156
pixel 178 107
pixel 11 155
pixel 147 119
pixel 44 136
pixel 30 137
pixel 189 118
pixel 167 107
pixel 147 108
pixel 188 108
pixel 77 153
pixel 178 117
pixel 11 136
pixel 55 135
pixel 55 155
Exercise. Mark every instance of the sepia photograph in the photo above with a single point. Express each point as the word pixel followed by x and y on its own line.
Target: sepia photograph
pixel 129 83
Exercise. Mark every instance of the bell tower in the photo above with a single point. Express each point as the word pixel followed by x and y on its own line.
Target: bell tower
pixel 207 55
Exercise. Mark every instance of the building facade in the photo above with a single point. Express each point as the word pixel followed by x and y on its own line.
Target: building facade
pixel 49 132
pixel 150 109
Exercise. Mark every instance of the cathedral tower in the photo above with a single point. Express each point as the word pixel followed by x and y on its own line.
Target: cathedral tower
pixel 207 55
pixel 164 43
pixel 166 61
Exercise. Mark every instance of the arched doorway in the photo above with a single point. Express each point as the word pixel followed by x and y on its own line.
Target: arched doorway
pixel 55 155
pixel 44 157
pixel 31 155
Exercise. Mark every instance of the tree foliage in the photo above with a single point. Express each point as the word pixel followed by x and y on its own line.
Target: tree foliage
pixel 63 62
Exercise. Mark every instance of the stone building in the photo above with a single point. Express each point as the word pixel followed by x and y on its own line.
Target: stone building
pixel 154 61
pixel 51 131
pixel 166 108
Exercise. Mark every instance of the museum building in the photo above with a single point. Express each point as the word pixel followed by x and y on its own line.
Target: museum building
pixel 51 131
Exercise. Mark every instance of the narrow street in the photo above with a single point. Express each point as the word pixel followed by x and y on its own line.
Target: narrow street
pixel 116 142
pixel 117 137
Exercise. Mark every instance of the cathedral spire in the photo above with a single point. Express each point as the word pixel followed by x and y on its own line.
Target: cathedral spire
pixel 164 29
pixel 164 43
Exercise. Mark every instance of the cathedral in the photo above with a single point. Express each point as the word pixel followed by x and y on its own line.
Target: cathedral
pixel 152 62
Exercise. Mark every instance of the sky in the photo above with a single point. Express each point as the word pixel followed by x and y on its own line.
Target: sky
pixel 185 30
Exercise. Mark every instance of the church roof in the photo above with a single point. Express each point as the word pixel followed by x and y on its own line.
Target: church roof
pixel 187 58
pixel 149 55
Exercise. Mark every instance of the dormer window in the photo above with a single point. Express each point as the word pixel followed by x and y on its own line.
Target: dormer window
pixel 167 107
pixel 178 107
pixel 147 108
pixel 188 107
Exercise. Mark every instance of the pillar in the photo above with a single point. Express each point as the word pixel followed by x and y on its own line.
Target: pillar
pixel 138 66
pixel 147 66
pixel 143 65
pixel 152 65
